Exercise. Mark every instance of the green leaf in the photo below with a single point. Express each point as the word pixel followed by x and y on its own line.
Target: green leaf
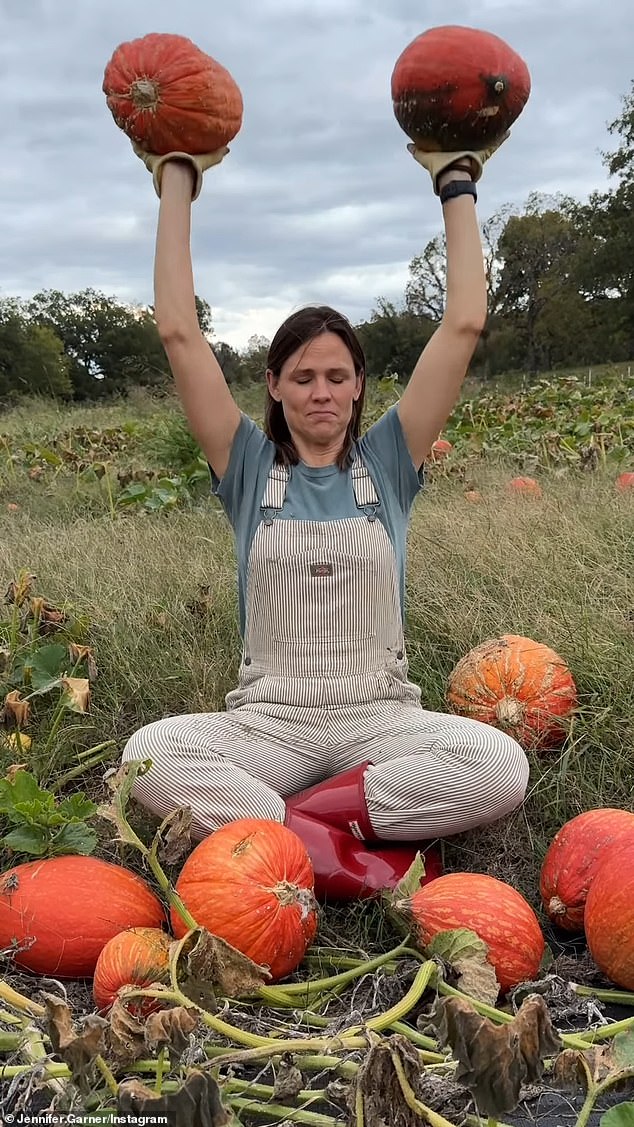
pixel 620 1116
pixel 623 1048
pixel 28 839
pixel 459 943
pixel 77 807
pixel 46 666
pixel 23 787
pixel 74 837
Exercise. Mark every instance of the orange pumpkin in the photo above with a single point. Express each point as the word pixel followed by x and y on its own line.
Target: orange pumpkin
pixel 473 495
pixel 169 96
pixel 625 482
pixel 609 913
pixel 457 88
pixel 251 883
pixel 496 912
pixel 572 860
pixel 63 910
pixel 518 685
pixel 137 956
pixel 440 449
pixel 525 487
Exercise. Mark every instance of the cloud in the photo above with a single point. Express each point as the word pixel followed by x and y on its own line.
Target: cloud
pixel 318 199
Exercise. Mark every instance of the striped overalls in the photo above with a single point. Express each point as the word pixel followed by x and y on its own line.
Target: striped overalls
pixel 322 687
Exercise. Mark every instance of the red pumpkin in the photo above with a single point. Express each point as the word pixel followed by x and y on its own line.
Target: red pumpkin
pixel 525 486
pixel 609 914
pixel 137 956
pixel 518 685
pixel 625 482
pixel 572 860
pixel 440 449
pixel 495 911
pixel 169 96
pixel 63 911
pixel 456 88
pixel 251 883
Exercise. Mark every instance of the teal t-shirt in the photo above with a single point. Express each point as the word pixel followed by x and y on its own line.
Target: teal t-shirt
pixel 319 493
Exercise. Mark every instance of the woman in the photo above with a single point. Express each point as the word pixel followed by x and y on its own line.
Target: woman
pixel 324 731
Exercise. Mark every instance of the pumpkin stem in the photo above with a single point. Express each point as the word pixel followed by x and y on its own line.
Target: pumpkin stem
pixel 509 711
pixel 145 94
pixel 289 894
pixel 556 907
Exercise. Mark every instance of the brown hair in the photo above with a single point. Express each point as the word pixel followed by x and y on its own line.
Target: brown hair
pixel 300 328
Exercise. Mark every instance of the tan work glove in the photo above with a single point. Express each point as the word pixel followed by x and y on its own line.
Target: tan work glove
pixel 200 163
pixel 437 162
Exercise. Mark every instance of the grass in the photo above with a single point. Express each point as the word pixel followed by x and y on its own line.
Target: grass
pixel 159 597
pixel 154 595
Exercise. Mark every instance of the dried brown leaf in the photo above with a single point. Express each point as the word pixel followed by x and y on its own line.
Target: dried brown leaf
pixel 19 589
pixel 170 1029
pixel 494 1061
pixel 126 1034
pixel 77 1050
pixel 288 1079
pixel 175 836
pixel 84 653
pixel 378 1088
pixel 208 967
pixel 196 1103
pixel 15 712
pixel 76 693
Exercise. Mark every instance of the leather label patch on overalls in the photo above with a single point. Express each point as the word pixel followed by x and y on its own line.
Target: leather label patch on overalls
pixel 319 569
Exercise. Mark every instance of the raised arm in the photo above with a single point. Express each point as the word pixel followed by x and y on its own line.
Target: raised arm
pixel 434 386
pixel 210 408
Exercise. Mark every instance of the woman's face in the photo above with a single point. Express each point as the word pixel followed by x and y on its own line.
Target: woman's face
pixel 317 388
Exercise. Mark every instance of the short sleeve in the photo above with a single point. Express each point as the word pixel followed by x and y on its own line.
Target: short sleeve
pixel 250 459
pixel 387 453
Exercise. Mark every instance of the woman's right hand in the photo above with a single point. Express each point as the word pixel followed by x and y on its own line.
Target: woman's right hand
pixel 199 164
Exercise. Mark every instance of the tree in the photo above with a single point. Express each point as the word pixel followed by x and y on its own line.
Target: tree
pixel 393 339
pixel 253 359
pixel 32 358
pixel 608 224
pixel 110 346
pixel 203 312
pixel 536 281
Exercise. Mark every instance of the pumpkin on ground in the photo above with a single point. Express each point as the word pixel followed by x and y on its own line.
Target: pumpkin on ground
pixel 473 495
pixel 525 487
pixel 169 96
pixel 572 859
pixel 440 449
pixel 456 88
pixel 625 482
pixel 137 956
pixel 496 912
pixel 62 911
pixel 251 883
pixel 609 914
pixel 518 685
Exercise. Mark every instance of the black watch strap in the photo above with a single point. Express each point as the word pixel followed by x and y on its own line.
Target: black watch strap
pixel 458 188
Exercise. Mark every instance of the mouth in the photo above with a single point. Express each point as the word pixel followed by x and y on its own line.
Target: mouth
pixel 322 414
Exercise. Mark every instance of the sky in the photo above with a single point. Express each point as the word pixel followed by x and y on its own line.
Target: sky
pixel 318 199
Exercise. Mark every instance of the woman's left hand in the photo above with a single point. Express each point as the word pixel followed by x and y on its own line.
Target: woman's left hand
pixel 438 162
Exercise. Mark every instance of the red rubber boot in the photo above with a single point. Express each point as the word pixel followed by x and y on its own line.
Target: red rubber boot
pixel 332 820
pixel 346 869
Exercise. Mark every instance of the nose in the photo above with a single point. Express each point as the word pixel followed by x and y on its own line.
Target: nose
pixel 321 391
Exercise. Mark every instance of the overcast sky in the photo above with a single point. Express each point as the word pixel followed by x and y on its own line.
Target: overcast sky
pixel 319 200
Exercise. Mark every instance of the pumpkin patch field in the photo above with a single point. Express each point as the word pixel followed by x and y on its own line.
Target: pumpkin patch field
pixel 144 974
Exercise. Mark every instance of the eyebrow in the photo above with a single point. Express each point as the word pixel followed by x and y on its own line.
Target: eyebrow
pixel 311 371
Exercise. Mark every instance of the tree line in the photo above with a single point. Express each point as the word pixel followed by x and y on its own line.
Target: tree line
pixel 560 276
